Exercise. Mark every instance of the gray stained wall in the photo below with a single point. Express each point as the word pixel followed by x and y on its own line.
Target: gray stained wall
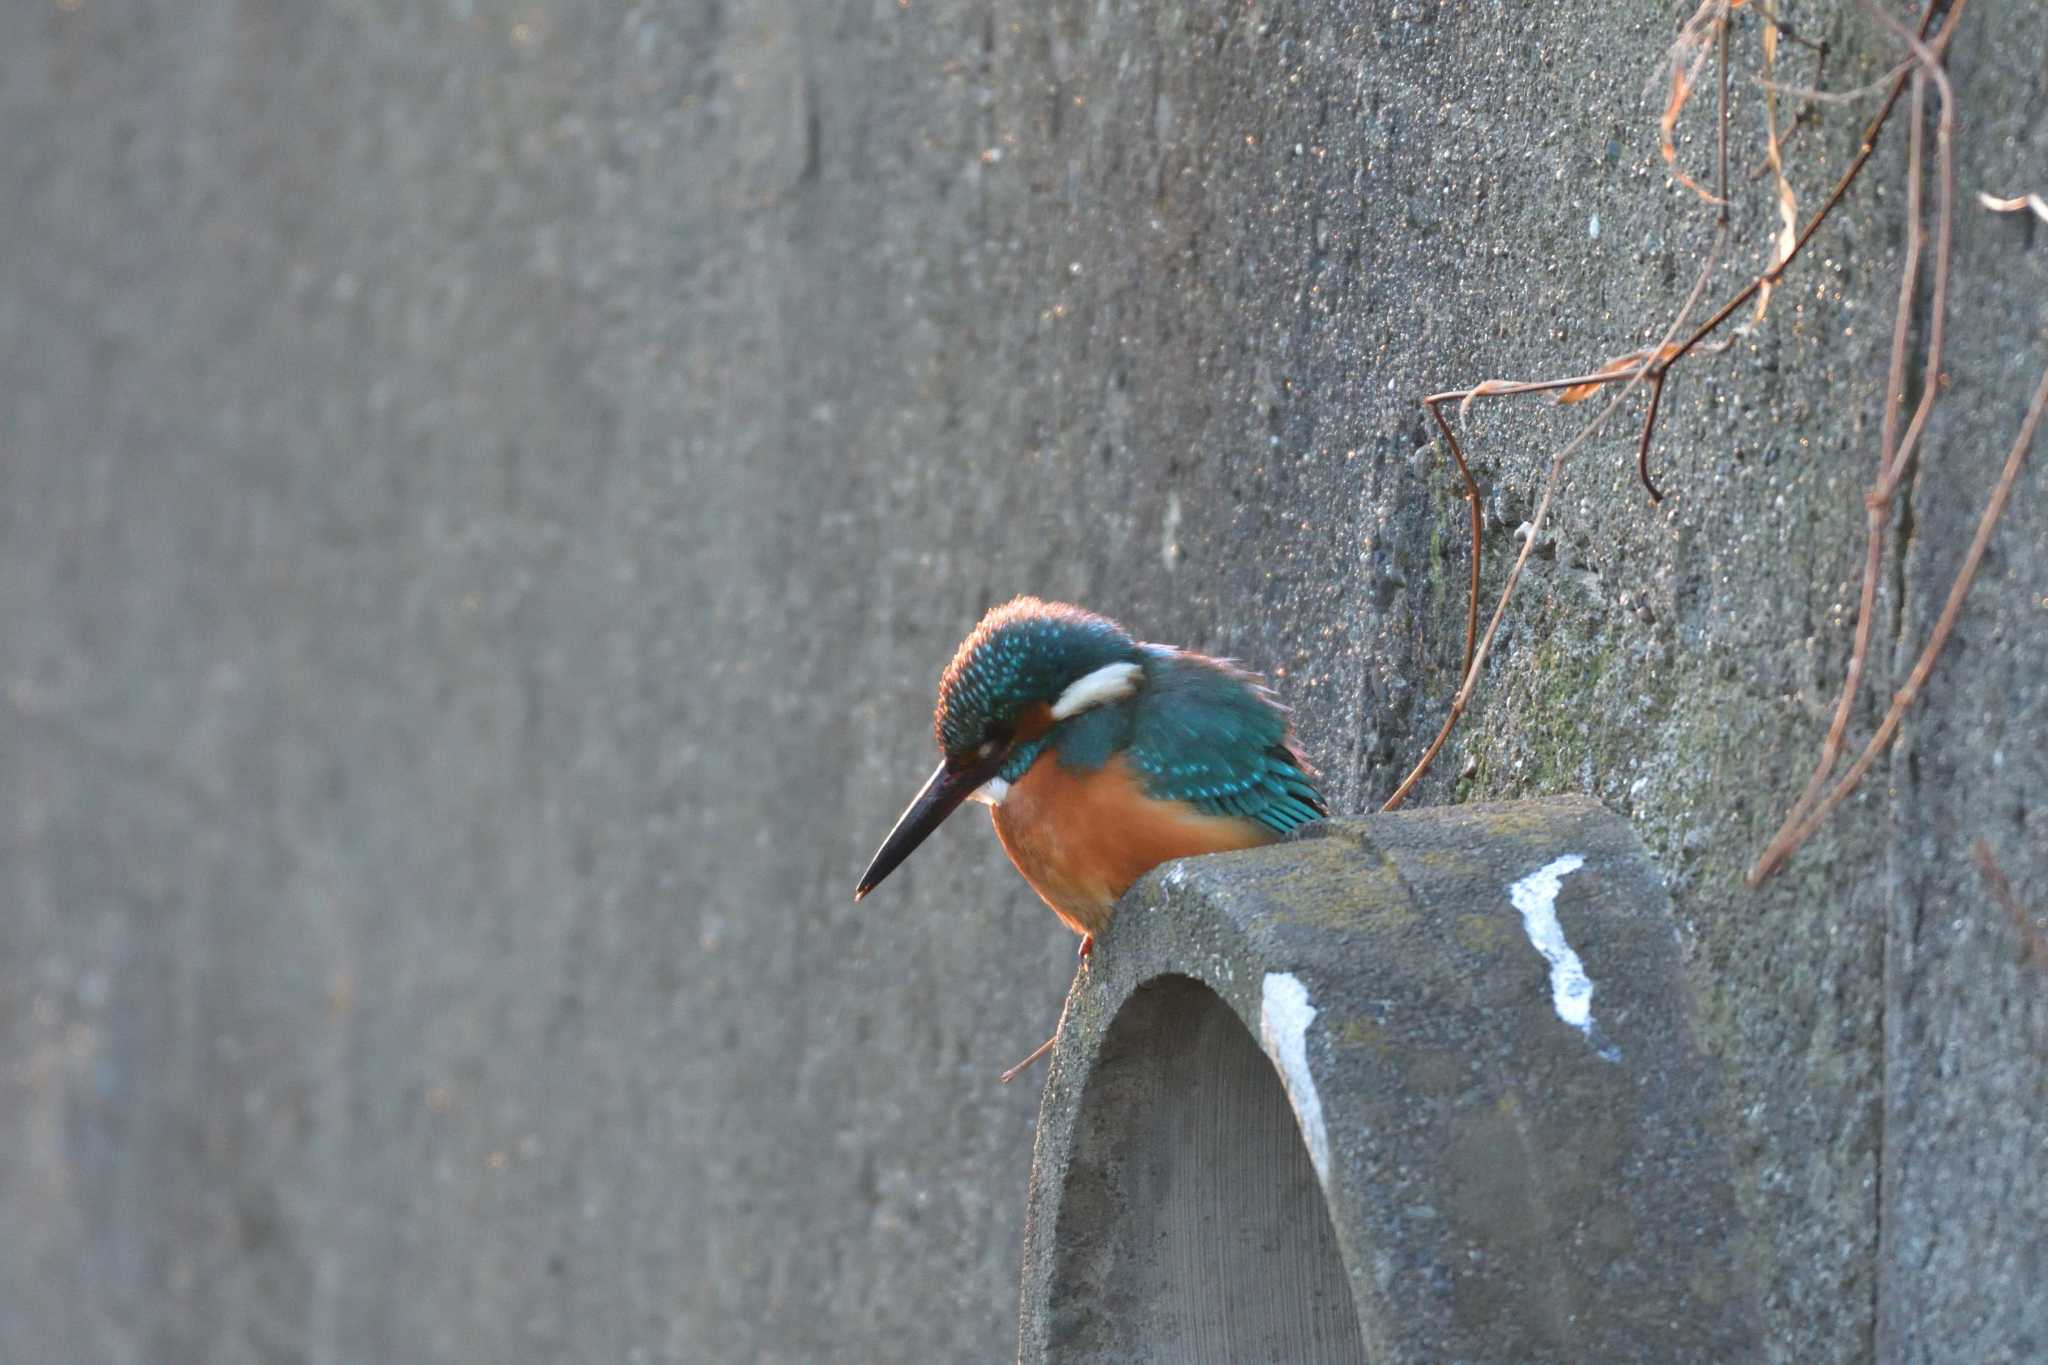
pixel 486 491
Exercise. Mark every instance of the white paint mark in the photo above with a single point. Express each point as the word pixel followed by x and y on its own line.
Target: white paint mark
pixel 1284 1017
pixel 1111 682
pixel 990 793
pixel 1594 227
pixel 1169 533
pixel 1571 990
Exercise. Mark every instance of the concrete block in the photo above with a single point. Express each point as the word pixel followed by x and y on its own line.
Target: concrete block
pixel 1421 1087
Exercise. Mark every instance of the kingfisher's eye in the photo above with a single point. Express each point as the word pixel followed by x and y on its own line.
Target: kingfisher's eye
pixel 994 741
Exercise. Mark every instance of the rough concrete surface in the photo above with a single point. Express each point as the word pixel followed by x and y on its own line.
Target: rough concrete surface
pixel 488 489
pixel 1509 1181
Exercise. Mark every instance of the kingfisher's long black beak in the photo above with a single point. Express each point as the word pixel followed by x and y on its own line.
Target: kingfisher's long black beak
pixel 941 796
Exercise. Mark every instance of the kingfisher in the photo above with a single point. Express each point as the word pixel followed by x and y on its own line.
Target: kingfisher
pixel 1101 757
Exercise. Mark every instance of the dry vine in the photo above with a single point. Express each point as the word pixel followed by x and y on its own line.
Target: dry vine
pixel 1707 31
pixel 2033 943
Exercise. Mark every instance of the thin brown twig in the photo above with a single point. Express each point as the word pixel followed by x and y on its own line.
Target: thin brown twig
pixel 1848 178
pixel 2033 943
pixel 1774 157
pixel 1931 54
pixel 1472 503
pixel 1891 455
pixel 1014 1072
pixel 1809 98
pixel 1849 96
pixel 1655 366
pixel 1793 35
pixel 1774 856
pixel 1688 56
pixel 1678 352
pixel 1877 504
pixel 1895 450
pixel 1477 659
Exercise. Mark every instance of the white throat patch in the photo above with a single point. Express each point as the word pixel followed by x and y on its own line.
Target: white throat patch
pixel 990 793
pixel 1111 682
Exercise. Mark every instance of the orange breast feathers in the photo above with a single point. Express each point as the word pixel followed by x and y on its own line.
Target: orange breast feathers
pixel 1082 838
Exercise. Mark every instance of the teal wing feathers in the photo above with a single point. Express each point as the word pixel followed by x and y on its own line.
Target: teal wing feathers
pixel 1205 732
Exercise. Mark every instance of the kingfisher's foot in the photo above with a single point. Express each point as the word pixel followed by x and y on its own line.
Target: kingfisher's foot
pixel 1014 1072
pixel 1087 946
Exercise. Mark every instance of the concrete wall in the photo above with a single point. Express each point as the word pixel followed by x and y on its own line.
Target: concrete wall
pixel 488 488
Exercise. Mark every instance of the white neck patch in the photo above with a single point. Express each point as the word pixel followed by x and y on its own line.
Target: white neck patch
pixel 1111 682
pixel 990 793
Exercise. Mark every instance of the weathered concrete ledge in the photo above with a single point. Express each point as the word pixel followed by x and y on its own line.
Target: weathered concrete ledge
pixel 1422 1088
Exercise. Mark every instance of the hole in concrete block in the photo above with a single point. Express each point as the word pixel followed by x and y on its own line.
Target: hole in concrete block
pixel 1193 1226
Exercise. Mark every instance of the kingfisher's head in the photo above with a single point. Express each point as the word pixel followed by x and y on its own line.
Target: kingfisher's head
pixel 1028 666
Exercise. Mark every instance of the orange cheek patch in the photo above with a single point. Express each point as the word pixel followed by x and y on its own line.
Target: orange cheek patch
pixel 1033 721
pixel 1081 839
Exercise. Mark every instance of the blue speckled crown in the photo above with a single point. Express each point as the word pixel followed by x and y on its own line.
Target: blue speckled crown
pixel 1023 651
